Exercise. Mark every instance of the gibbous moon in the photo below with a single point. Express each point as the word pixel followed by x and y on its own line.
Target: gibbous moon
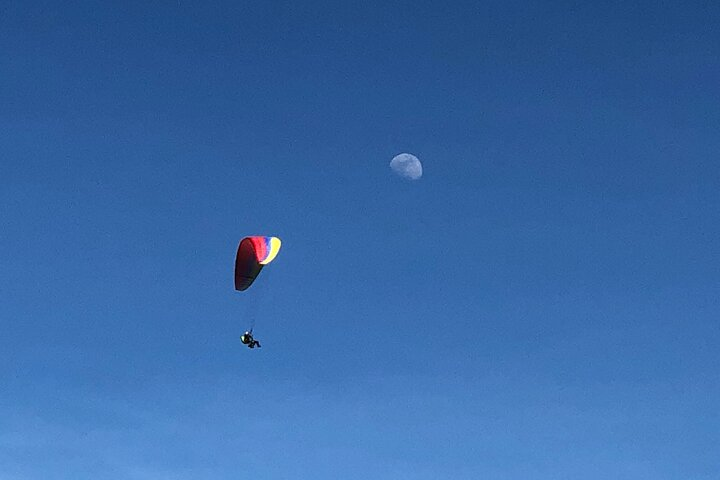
pixel 407 166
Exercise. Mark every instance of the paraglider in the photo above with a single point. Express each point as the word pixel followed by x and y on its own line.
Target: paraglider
pixel 247 339
pixel 253 254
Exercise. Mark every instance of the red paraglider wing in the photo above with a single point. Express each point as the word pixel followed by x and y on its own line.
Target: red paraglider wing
pixel 253 253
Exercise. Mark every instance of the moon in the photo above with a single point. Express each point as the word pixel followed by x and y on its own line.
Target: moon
pixel 407 166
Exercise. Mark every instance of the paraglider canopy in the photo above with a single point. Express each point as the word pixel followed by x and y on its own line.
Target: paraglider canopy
pixel 253 253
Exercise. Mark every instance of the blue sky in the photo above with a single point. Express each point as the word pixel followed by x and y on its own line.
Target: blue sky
pixel 542 304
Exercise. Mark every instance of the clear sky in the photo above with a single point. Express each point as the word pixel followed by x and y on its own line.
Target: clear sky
pixel 542 304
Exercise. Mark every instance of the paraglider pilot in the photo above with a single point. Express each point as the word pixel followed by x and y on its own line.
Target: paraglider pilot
pixel 247 339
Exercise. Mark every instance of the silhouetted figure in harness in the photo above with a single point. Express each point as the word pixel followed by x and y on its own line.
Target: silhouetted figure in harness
pixel 247 339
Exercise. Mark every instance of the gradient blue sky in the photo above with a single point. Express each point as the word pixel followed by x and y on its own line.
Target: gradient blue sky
pixel 542 304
